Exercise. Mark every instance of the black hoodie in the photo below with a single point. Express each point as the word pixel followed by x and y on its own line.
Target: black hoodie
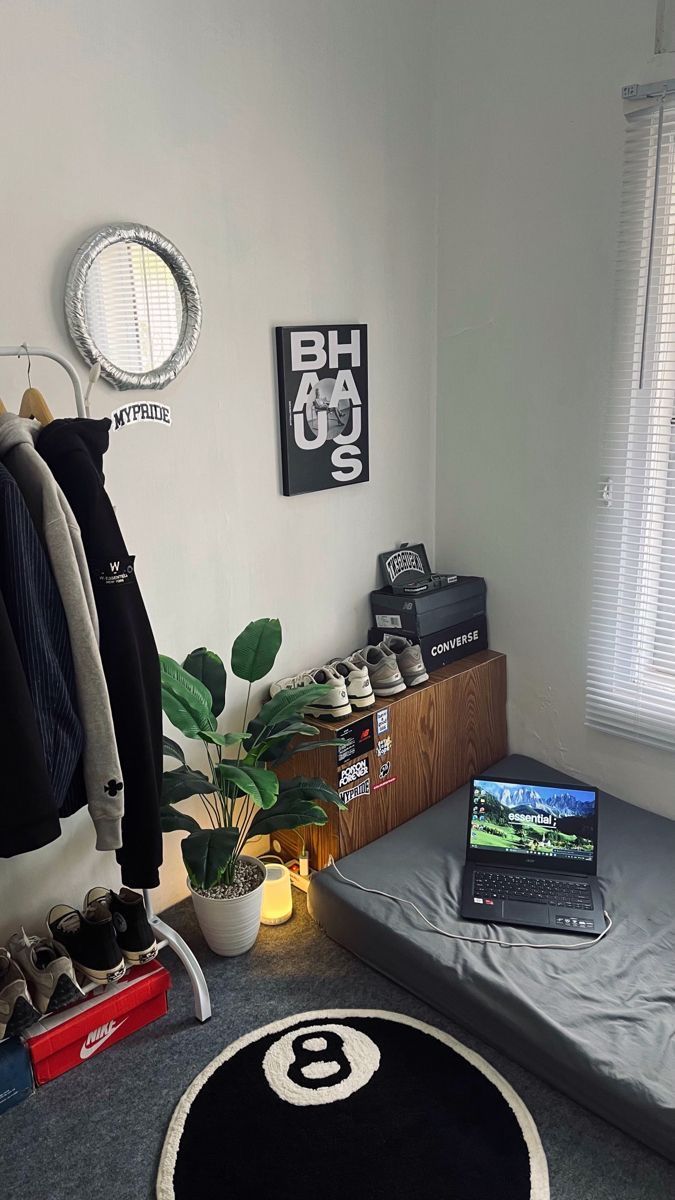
pixel 74 450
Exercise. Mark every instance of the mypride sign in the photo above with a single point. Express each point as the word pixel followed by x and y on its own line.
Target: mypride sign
pixel 131 414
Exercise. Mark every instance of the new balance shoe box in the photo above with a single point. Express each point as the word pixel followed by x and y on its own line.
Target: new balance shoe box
pixel 448 623
pixel 16 1077
pixel 67 1039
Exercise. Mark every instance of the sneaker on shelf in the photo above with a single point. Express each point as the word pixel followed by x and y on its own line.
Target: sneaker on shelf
pixel 409 659
pixel 383 669
pixel 354 671
pixel 334 704
pixel 90 940
pixel 48 969
pixel 134 933
pixel 17 1012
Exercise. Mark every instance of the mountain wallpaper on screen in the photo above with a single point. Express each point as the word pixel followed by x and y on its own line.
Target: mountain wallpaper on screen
pixel 560 821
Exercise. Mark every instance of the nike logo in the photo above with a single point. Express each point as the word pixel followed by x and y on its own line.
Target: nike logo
pixel 97 1037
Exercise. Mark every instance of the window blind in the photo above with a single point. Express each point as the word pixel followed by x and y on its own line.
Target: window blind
pixel 133 307
pixel 631 660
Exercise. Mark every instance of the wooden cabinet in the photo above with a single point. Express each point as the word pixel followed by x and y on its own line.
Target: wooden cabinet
pixel 442 732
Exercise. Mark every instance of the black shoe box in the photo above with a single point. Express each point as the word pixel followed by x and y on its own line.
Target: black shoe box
pixel 449 623
pixel 429 612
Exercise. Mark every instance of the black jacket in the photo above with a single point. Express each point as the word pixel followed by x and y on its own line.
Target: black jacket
pixel 74 450
pixel 38 623
pixel 29 817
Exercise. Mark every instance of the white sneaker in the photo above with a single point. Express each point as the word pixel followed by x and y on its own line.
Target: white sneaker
pixel 385 676
pixel 408 657
pixel 334 704
pixel 354 670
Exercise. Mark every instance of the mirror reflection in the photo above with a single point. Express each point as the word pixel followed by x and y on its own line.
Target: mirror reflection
pixel 133 307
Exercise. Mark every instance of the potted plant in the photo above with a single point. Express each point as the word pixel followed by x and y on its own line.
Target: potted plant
pixel 241 794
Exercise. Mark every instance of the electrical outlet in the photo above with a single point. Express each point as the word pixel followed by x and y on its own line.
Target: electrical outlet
pixel 630 91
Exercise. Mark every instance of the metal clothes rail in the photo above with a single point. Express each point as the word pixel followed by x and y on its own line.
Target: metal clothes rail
pixel 163 932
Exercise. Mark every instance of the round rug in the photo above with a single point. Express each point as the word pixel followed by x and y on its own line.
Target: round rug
pixel 346 1103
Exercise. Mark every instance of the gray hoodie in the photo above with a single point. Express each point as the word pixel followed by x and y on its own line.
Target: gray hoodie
pixel 60 533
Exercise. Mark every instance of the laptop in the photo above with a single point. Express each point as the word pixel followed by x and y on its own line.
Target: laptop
pixel 531 856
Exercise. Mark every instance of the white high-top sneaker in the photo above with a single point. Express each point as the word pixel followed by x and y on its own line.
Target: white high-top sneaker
pixel 334 704
pixel 354 670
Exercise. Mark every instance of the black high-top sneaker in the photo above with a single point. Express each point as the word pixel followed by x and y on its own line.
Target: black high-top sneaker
pixel 134 933
pixel 90 940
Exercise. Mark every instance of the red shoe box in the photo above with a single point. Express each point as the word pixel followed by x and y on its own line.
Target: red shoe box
pixel 62 1041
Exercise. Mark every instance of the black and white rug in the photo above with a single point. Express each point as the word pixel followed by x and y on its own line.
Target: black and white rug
pixel 348 1103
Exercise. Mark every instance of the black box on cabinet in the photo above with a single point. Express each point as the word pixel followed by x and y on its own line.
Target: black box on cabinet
pixel 430 612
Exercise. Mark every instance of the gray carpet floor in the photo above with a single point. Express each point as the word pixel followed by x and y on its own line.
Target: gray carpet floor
pixel 98 1131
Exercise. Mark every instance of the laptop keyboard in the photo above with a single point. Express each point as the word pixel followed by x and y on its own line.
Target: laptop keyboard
pixel 507 885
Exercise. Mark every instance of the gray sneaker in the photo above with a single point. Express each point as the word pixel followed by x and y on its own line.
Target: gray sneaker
pixel 17 1013
pixel 383 669
pixel 48 968
pixel 409 659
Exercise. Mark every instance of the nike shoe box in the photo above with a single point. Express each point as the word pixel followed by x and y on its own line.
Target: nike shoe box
pixel 16 1077
pixel 448 623
pixel 65 1040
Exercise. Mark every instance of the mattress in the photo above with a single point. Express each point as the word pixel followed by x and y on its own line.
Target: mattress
pixel 597 1023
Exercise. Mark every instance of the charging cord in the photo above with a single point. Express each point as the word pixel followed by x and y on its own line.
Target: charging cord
pixel 488 941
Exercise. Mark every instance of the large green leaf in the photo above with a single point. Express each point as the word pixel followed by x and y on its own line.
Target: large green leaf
pixel 171 749
pixel 261 785
pixel 256 648
pixel 170 819
pixel 223 739
pixel 185 700
pixel 289 702
pixel 182 783
pixel 206 666
pixel 293 729
pixel 289 752
pixel 309 789
pixel 296 815
pixel 207 853
pixel 274 741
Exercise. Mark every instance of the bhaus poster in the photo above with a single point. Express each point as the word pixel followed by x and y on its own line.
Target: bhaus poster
pixel 323 406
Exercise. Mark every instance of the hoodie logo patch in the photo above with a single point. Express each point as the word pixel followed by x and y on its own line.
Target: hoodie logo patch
pixel 113 786
pixel 117 570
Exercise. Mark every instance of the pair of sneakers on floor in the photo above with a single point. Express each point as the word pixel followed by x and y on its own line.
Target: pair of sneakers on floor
pixel 382 670
pixel 37 975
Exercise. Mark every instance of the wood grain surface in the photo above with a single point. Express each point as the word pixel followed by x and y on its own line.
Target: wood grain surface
pixel 442 732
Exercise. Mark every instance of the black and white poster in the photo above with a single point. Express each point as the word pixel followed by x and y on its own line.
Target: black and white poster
pixel 323 406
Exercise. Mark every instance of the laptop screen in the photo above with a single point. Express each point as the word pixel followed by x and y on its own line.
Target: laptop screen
pixel 551 827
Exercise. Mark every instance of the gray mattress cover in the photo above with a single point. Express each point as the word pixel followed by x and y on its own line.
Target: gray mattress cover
pixel 597 1023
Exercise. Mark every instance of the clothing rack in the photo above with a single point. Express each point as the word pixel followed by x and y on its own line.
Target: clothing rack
pixel 29 352
pixel 163 932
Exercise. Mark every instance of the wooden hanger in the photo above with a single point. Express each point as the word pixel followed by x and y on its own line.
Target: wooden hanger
pixel 33 404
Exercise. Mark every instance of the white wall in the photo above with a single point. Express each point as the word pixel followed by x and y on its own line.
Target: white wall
pixel 531 131
pixel 286 147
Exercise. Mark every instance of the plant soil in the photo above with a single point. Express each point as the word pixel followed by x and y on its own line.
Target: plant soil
pixel 246 879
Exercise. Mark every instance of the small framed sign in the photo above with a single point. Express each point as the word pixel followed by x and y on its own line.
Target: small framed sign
pixel 323 406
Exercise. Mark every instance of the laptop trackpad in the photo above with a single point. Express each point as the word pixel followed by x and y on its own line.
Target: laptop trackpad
pixel 527 914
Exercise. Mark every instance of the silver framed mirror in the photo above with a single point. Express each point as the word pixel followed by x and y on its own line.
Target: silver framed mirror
pixel 132 305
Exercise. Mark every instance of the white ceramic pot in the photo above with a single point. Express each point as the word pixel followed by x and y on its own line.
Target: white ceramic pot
pixel 231 926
